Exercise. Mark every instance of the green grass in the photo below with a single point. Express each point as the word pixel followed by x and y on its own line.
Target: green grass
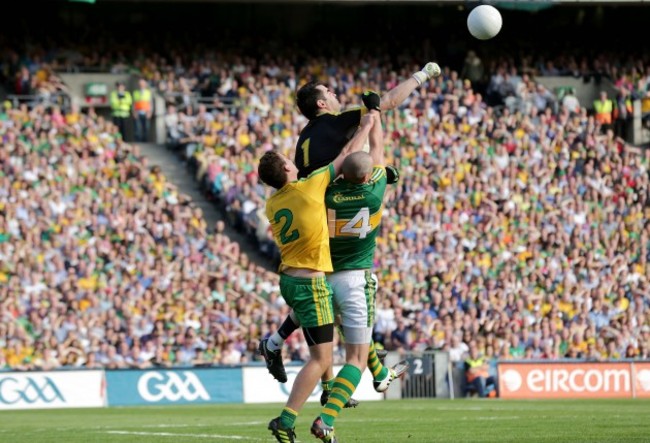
pixel 389 421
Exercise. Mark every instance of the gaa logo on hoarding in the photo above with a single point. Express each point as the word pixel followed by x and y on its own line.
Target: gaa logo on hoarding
pixel 171 386
pixel 29 390
pixel 291 378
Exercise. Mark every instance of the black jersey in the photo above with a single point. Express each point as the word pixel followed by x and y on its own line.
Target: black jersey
pixel 322 140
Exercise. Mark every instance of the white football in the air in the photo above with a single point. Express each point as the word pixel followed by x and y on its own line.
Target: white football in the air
pixel 484 22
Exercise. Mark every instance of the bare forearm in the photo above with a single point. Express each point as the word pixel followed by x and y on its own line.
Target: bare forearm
pixel 376 140
pixel 398 94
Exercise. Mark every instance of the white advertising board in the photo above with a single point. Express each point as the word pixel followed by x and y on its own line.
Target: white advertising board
pixel 261 387
pixel 44 390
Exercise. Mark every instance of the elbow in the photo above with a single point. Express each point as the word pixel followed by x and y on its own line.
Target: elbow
pixel 387 104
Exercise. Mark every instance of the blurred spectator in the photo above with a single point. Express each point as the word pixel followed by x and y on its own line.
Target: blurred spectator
pixel 111 266
pixel 121 101
pixel 604 108
pixel 570 102
pixel 457 349
pixel 143 105
pixel 477 374
pixel 23 84
pixel 622 113
pixel 521 228
pixel 473 70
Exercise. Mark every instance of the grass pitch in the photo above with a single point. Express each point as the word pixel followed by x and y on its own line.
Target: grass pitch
pixel 407 421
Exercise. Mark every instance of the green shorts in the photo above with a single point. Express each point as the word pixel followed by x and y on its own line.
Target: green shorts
pixel 310 299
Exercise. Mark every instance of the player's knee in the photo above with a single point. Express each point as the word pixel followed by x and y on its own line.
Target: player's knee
pixel 357 335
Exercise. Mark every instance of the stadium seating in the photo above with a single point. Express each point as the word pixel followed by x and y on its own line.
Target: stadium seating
pixel 520 227
pixel 105 264
pixel 518 219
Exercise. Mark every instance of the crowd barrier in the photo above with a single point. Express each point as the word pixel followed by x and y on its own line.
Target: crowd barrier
pixel 546 380
pixel 160 386
pixel 253 384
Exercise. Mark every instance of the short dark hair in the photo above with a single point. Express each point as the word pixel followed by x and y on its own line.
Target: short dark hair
pixel 271 170
pixel 357 166
pixel 307 97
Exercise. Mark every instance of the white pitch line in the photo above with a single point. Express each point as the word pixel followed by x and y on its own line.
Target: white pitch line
pixel 169 426
pixel 202 425
pixel 171 434
pixel 489 417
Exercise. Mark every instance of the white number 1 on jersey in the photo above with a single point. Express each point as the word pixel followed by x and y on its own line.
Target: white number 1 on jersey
pixel 359 225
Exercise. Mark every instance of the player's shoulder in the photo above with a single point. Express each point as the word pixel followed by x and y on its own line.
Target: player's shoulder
pixel 378 174
pixel 329 116
pixel 353 109
pixel 326 172
pixel 327 169
pixel 337 185
pixel 270 203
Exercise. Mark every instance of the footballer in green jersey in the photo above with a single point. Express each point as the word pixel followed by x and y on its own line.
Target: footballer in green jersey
pixel 354 210
pixel 354 213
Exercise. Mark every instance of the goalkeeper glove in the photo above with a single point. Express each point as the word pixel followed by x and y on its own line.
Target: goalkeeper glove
pixel 430 70
pixel 371 100
pixel 392 175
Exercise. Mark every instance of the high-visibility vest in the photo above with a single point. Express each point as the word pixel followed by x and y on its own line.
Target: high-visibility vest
pixel 121 106
pixel 476 363
pixel 604 111
pixel 142 100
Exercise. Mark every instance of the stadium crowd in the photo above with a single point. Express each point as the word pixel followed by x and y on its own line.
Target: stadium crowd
pixel 519 228
pixel 105 264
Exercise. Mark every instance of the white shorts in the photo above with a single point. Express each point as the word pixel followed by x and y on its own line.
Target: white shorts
pixel 354 300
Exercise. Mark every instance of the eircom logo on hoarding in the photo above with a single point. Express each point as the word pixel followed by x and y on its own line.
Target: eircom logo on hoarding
pixel 574 380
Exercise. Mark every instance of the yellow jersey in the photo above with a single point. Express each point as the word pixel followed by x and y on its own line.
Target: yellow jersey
pixel 298 218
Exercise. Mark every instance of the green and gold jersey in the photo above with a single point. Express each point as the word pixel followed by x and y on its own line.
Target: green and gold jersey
pixel 297 217
pixel 353 218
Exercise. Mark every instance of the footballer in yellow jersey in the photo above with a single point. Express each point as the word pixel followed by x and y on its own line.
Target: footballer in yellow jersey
pixel 300 204
pixel 298 218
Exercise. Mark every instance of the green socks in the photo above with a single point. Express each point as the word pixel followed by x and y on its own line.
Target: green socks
pixel 327 385
pixel 379 371
pixel 288 418
pixel 345 383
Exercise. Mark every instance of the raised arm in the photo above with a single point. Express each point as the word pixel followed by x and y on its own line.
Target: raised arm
pixel 399 93
pixel 377 141
pixel 356 142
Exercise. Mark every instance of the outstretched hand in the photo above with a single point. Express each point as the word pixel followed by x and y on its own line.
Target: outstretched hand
pixel 371 100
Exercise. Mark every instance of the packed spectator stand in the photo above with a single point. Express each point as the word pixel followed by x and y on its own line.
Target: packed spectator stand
pixel 519 225
pixel 105 264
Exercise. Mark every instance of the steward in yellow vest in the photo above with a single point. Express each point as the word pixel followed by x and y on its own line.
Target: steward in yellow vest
pixel 120 101
pixel 142 110
pixel 604 108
